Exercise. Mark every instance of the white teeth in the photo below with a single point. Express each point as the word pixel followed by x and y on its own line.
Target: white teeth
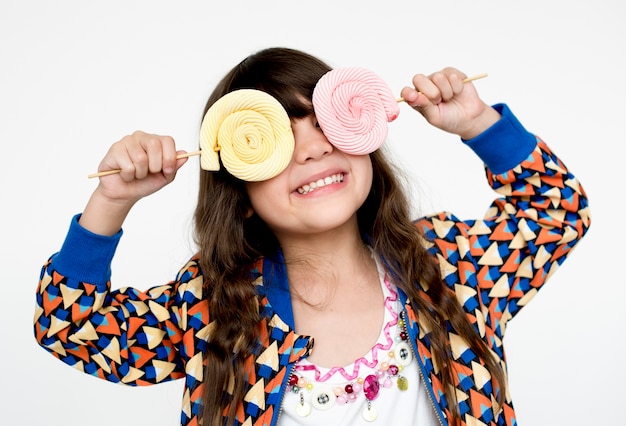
pixel 328 180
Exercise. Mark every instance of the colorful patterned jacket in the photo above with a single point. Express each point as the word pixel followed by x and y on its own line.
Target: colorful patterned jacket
pixel 495 265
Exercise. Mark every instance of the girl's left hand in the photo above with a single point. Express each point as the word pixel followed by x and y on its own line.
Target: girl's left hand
pixel 450 104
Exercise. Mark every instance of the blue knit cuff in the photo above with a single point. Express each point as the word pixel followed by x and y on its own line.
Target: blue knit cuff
pixel 505 144
pixel 86 256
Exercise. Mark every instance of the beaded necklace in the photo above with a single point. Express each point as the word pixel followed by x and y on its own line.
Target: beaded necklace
pixel 366 378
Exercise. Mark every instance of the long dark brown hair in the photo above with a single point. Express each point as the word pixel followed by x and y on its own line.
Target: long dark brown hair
pixel 230 241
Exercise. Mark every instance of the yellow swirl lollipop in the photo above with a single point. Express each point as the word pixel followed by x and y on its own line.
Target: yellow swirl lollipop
pixel 251 132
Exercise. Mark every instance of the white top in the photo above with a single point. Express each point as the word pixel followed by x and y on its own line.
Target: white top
pixel 321 398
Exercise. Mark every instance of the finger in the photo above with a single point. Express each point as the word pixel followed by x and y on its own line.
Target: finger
pixel 414 97
pixel 179 162
pixel 426 86
pixel 440 79
pixel 153 147
pixel 118 158
pixel 160 155
pixel 138 147
pixel 169 153
pixel 455 79
pixel 410 96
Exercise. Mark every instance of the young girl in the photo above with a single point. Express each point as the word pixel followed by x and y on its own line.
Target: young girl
pixel 407 317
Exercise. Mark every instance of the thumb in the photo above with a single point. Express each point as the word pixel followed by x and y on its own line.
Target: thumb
pixel 419 102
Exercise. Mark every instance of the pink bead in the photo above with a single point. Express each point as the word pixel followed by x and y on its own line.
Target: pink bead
pixel 341 399
pixel 387 383
pixel 352 397
pixel 356 388
pixel 371 387
pixel 393 370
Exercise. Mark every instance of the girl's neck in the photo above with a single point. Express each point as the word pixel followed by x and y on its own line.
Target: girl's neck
pixel 335 290
pixel 325 265
pixel 334 248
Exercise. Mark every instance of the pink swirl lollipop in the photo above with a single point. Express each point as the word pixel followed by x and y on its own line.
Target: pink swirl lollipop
pixel 353 106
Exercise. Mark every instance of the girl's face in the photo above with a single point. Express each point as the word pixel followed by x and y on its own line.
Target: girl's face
pixel 320 190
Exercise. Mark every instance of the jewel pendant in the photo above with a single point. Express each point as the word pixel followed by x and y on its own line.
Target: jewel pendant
pixel 303 409
pixel 403 383
pixel 369 413
pixel 371 387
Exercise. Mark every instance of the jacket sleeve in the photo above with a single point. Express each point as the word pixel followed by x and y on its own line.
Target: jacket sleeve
pixel 127 336
pixel 498 263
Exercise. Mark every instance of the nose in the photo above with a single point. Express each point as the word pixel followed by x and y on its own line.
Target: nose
pixel 311 144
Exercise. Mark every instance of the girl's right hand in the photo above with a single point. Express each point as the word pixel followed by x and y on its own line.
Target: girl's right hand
pixel 147 163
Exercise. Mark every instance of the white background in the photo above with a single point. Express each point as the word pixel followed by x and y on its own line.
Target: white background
pixel 75 76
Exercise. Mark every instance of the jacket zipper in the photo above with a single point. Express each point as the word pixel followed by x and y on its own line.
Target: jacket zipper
pixel 419 368
pixel 283 391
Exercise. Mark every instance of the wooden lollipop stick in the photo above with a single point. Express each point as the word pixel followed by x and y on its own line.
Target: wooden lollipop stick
pixel 191 154
pixel 112 172
pixel 465 80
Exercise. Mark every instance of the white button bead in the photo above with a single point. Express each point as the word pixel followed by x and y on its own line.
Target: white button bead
pixel 323 397
pixel 403 354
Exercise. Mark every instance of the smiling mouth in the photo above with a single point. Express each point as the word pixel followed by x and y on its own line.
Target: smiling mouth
pixel 320 183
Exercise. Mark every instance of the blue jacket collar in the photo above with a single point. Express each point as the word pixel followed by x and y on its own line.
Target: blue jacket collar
pixel 276 287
